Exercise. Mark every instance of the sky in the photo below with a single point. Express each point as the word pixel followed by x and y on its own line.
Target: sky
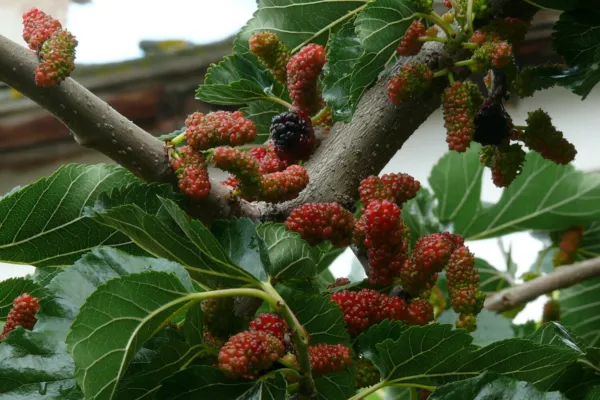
pixel 123 24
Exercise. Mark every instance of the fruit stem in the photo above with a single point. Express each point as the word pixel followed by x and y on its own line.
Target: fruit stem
pixel 465 63
pixel 281 101
pixel 306 384
pixel 470 16
pixel 436 19
pixel 287 364
pixel 320 114
pixel 441 73
pixel 414 393
pixel 470 46
pixel 450 77
pixel 178 139
pixel 432 39
pixel 369 390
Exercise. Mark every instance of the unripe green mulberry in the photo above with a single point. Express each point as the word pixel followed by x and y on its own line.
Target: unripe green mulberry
pixel 271 52
pixel 367 374
pixel 410 81
pixel 505 161
pixel 541 136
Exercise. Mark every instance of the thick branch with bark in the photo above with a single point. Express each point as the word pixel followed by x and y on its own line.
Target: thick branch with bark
pixel 350 152
pixel 561 278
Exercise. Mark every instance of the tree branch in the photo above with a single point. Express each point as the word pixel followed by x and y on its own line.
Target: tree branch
pixel 562 277
pixel 362 147
pixel 92 121
pixel 350 152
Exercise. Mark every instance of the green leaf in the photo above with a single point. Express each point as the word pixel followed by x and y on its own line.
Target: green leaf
pixel 580 81
pixel 239 80
pixel 171 234
pixel 322 319
pixel 419 215
pixel 261 113
pixel 42 224
pixel 491 386
pixel 147 196
pixel 193 326
pixel 576 36
pixel 328 255
pixel 335 386
pixel 287 18
pixel 162 356
pixel 554 334
pixel 73 285
pixel 343 53
pixel 33 366
pixel 379 27
pixel 128 310
pixel 436 354
pixel 594 394
pixel 172 135
pixel 491 327
pixel 545 196
pixel 456 182
pixel 367 341
pixel 204 382
pixel 534 78
pixel 11 289
pixel 524 330
pixel 578 310
pixel 244 246
pixel 291 257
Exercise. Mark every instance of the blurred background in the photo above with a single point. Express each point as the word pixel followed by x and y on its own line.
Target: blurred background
pixel 146 61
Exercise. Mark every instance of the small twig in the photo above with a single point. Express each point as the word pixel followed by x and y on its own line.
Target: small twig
pixel 563 277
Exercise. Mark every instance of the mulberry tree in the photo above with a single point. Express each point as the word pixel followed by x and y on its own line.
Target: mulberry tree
pixel 155 281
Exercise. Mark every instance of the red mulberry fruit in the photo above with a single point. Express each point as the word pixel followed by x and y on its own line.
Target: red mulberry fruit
pixel 328 358
pixel 303 71
pixel 38 27
pixel 248 353
pixel 284 185
pixel 420 312
pixel 317 222
pixel 58 59
pixel 398 188
pixel 22 314
pixel 270 323
pixel 569 243
pixel 219 128
pixel 460 103
pixel 190 169
pixel 410 44
pixel 242 165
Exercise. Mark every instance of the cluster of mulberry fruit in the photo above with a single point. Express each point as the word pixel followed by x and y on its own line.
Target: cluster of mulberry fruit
pixel 54 46
pixel 568 246
pixel 390 263
pixel 256 174
pixel 21 314
pixel 253 352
